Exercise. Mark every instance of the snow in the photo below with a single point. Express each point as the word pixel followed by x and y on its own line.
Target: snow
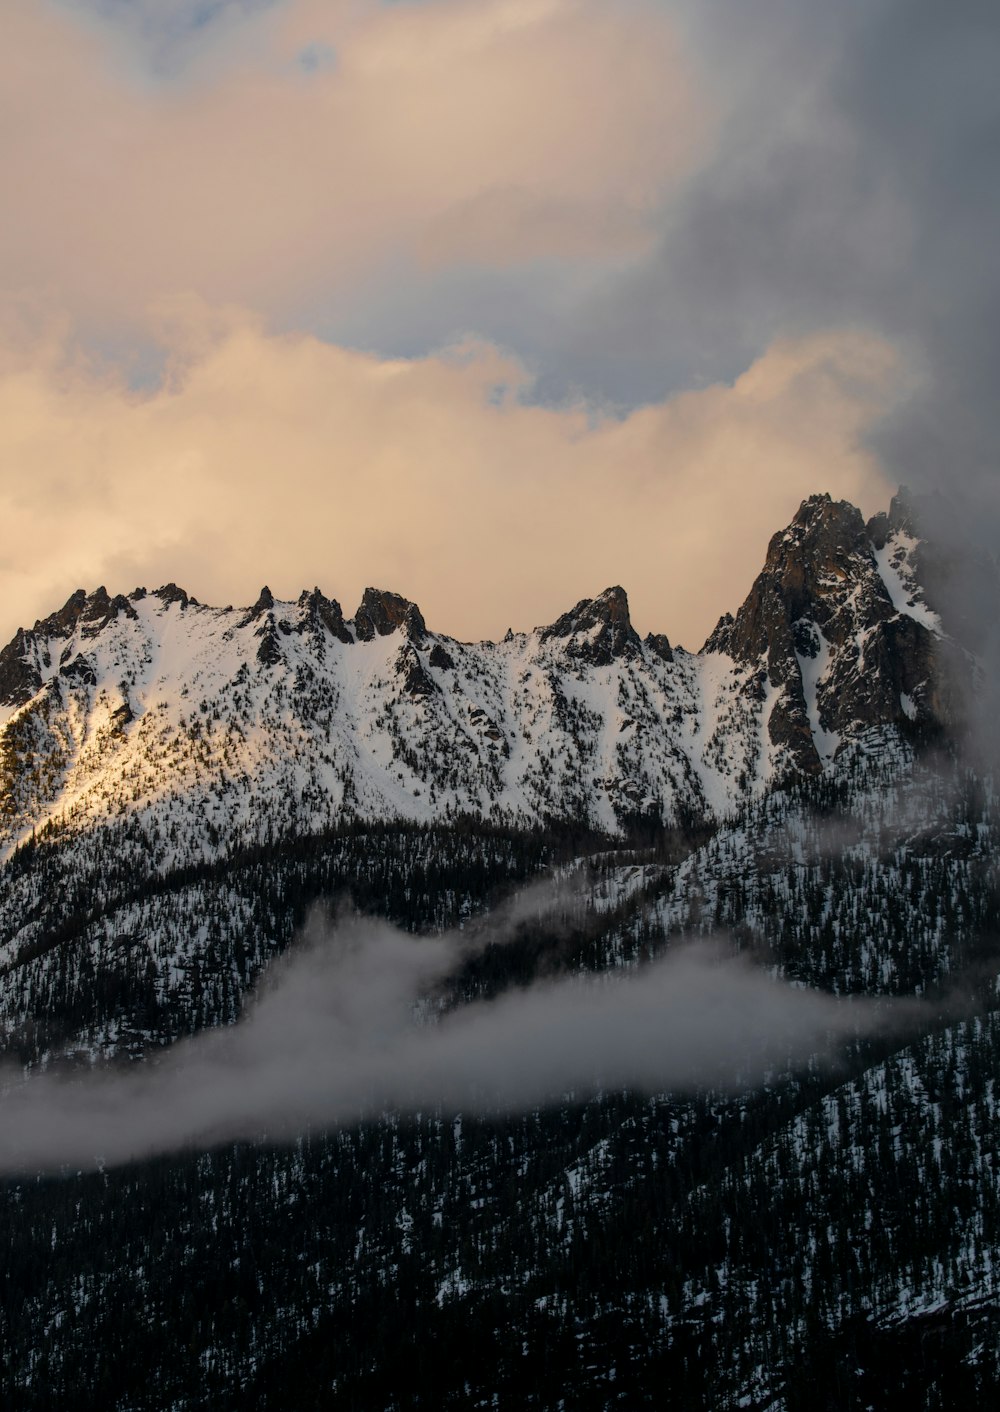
pixel 813 671
pixel 518 732
pixel 893 566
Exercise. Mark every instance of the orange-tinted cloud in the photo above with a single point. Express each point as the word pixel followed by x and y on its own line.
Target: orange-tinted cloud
pixel 288 460
pixel 470 130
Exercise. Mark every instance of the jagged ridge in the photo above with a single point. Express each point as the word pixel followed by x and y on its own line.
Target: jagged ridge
pixel 222 723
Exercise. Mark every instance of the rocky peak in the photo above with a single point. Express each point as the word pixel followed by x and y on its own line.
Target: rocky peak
pixel 944 556
pixel 598 630
pixel 170 593
pixel 97 605
pixel 381 613
pixel 264 604
pixel 63 622
pixel 318 610
pixel 92 610
pixel 99 610
pixel 28 652
pixel 811 568
pixel 720 638
pixel 821 620
pixel 906 512
pixel 659 644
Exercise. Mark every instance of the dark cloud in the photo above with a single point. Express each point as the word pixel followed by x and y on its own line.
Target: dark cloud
pixel 855 181
pixel 924 93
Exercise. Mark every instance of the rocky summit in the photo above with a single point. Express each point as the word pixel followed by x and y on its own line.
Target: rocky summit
pixel 840 624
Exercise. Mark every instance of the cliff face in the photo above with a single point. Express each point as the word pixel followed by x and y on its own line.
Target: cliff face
pixel 838 621
pixel 598 630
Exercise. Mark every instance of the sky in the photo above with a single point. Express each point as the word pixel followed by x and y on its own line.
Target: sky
pixel 492 303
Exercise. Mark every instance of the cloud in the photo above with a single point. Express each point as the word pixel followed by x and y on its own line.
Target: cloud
pixel 291 461
pixel 497 131
pixel 337 1033
pixel 855 176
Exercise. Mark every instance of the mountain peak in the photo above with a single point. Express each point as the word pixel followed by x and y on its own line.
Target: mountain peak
pixel 319 609
pixel 824 521
pixel 63 621
pixel 382 612
pixel 170 593
pixel 599 629
pixel 825 547
pixel 264 604
pixel 822 623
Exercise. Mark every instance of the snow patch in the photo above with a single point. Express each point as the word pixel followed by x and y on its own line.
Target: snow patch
pixel 892 561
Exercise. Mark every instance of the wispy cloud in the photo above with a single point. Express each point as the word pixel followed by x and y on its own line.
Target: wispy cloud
pixel 336 1035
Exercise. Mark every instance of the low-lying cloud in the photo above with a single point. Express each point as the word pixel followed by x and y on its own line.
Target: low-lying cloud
pixel 346 1027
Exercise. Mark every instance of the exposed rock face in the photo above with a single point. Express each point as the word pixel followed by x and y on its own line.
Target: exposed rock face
pixel 413 676
pixel 810 568
pixel 19 676
pixel 99 610
pixel 598 630
pixel 945 564
pixel 382 612
pixel 263 606
pixel 325 612
pixel 170 593
pixel 79 671
pixel 62 623
pixel 24 661
pixel 822 619
pixel 659 644
pixel 262 613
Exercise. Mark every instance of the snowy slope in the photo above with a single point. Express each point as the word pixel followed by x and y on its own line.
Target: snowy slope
pixel 212 728
pixel 168 715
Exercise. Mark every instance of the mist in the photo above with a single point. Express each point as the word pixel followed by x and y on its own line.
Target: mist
pixel 350 1024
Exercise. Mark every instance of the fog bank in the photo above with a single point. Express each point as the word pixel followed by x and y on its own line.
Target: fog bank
pixel 345 1027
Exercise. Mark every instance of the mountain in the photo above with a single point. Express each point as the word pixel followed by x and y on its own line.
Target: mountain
pixel 181 785
pixel 212 725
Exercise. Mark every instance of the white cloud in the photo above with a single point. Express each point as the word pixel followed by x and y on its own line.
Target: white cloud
pixel 288 460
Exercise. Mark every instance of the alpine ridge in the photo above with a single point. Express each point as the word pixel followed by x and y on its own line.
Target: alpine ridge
pixel 183 786
pixel 286 716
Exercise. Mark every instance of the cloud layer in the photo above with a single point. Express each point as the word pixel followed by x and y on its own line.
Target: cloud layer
pixel 289 460
pixel 725 223
pixel 335 1037
pixel 309 142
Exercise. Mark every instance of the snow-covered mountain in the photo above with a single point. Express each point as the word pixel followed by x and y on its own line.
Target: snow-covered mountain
pixel 180 785
pixel 208 727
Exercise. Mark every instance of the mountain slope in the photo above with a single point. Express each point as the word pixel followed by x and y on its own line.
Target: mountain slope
pixel 181 784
